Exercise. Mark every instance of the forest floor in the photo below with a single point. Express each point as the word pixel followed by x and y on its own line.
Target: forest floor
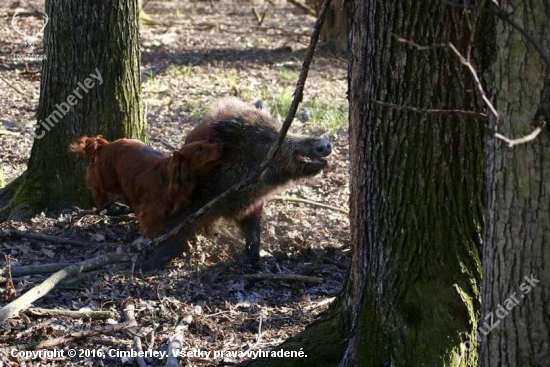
pixel 197 52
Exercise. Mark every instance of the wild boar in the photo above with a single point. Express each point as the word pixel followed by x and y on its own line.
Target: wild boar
pixel 246 133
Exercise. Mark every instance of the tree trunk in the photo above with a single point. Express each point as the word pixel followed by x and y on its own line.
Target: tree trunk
pixel 416 184
pixel 518 215
pixel 412 295
pixel 82 39
pixel 334 34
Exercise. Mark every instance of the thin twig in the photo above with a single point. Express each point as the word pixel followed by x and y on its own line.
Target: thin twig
pixel 111 341
pixel 97 211
pixel 505 17
pixel 10 288
pixel 258 337
pixel 189 224
pixel 284 277
pixel 259 18
pixel 420 47
pixel 304 7
pixel 474 114
pixel 310 202
pixel 14 87
pixel 524 139
pixel 473 72
pixel 511 142
pixel 23 302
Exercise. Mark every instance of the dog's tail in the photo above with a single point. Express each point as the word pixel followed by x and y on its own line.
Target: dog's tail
pixel 87 145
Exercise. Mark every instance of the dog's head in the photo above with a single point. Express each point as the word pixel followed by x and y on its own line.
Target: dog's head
pixel 192 160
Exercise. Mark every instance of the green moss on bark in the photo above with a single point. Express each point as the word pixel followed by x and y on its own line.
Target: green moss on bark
pixel 112 107
pixel 323 342
pixel 27 200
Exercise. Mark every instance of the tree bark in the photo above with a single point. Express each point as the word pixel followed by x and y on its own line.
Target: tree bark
pixel 81 38
pixel 518 185
pixel 416 189
pixel 412 295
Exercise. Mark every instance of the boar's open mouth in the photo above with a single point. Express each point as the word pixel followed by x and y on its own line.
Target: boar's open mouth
pixel 311 163
pixel 210 163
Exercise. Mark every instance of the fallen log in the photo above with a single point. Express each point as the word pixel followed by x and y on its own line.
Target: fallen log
pixel 77 314
pixel 53 239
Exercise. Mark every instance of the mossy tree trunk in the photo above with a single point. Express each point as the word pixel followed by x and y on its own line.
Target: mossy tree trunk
pixel 412 296
pixel 517 236
pixel 416 189
pixel 81 39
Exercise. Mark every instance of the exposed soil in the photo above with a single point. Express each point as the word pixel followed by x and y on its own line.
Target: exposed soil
pixel 201 51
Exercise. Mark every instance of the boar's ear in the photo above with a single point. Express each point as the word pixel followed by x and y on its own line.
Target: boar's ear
pixel 179 170
pixel 262 106
pixel 230 131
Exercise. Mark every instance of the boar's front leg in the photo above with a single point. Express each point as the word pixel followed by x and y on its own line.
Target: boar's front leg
pixel 250 227
pixel 159 256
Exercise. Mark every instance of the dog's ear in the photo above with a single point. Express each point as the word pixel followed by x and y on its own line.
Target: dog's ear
pixel 180 172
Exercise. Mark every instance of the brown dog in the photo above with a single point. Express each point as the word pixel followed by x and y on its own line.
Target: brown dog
pixel 153 185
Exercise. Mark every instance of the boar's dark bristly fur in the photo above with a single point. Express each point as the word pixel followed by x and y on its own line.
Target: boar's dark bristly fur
pixel 246 133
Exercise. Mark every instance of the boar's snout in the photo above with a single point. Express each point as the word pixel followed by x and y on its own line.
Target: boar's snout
pixel 309 154
pixel 322 147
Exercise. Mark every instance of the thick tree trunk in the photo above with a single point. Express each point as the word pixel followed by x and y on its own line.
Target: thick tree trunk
pixel 412 295
pixel 517 235
pixel 82 39
pixel 416 184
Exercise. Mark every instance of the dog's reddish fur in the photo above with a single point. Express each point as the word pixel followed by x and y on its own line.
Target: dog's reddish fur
pixel 153 185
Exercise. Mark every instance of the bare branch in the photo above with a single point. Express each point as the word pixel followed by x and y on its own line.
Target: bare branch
pixel 524 139
pixel 505 17
pixel 23 302
pixel 310 202
pixel 417 46
pixel 259 18
pixel 303 6
pixel 33 269
pixel 481 90
pixel 14 87
pixel 511 142
pixel 474 114
pixel 473 72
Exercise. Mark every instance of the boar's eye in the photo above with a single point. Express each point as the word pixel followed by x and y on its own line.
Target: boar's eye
pixel 199 149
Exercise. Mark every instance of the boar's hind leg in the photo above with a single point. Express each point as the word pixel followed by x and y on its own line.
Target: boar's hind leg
pixel 250 227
